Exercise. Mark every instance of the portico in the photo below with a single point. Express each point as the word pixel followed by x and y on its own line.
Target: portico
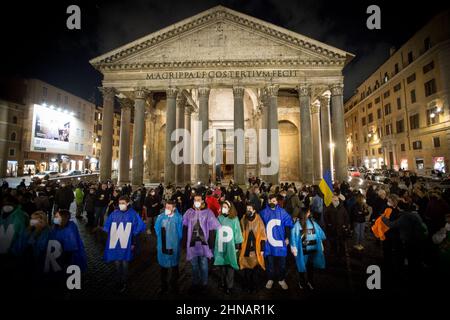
pixel 218 71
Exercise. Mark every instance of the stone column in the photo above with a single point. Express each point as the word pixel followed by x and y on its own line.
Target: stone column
pixel 325 131
pixel 152 147
pixel 171 121
pixel 263 138
pixel 239 162
pixel 304 94
pixel 181 107
pixel 137 171
pixel 274 151
pixel 203 97
pixel 107 133
pixel 187 146
pixel 338 130
pixel 315 119
pixel 124 143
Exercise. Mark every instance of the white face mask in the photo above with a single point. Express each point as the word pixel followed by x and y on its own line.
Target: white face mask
pixel 390 204
pixel 7 208
pixel 225 210
pixel 34 222
pixel 197 204
pixel 57 221
pixel 123 207
pixel 168 212
pixel 335 203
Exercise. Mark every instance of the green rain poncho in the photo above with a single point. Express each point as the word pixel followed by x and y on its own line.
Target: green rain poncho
pixel 12 227
pixel 228 236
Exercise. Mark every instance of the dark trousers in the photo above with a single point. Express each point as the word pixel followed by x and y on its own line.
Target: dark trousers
pixel 174 275
pixel 276 268
pixel 250 278
pixel 308 276
pixel 227 276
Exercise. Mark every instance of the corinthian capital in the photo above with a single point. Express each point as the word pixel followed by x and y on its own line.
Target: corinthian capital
pixel 171 92
pixel 125 103
pixel 324 101
pixel 203 92
pixel 272 90
pixel 315 108
pixel 181 99
pixel 140 93
pixel 238 92
pixel 337 89
pixel 304 90
pixel 107 92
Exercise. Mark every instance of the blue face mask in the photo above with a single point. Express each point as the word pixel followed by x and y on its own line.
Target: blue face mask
pixel 57 221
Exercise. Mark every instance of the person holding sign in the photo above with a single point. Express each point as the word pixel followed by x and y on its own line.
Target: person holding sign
pixel 65 249
pixel 199 232
pixel 307 248
pixel 228 242
pixel 169 232
pixel 122 225
pixel 252 250
pixel 278 223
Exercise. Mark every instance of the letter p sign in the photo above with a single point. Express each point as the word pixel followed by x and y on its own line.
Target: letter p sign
pixel 225 235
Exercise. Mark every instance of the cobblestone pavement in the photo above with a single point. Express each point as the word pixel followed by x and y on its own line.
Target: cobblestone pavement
pixel 99 282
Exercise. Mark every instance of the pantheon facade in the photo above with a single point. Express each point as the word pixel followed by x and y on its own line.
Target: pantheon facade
pixel 216 72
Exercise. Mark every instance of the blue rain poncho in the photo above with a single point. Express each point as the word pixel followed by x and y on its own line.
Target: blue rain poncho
pixel 313 245
pixel 121 227
pixel 276 221
pixel 169 230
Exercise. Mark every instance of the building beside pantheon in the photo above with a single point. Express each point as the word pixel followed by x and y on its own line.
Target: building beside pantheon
pixel 222 70
pixel 399 116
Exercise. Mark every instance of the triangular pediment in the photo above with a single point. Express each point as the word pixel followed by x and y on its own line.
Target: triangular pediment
pixel 221 34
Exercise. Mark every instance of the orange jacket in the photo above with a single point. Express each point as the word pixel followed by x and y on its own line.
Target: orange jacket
pixel 379 228
pixel 259 231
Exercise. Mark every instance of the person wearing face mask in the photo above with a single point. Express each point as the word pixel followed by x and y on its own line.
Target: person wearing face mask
pixel 307 247
pixel 79 197
pixel 122 226
pixel 199 232
pixel 359 213
pixel 337 222
pixel 251 256
pixel 12 218
pixel 228 242
pixel 102 197
pixel 152 206
pixel 169 232
pixel 65 232
pixel 278 224
pixel 31 247
pixel 292 202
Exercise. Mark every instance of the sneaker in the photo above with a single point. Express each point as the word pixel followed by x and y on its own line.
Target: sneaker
pixel 269 284
pixel 283 285
pixel 123 288
pixel 356 246
pixel 310 286
pixel 300 286
pixel 148 231
pixel 361 247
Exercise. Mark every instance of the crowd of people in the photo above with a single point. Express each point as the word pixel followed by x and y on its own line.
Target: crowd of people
pixel 251 231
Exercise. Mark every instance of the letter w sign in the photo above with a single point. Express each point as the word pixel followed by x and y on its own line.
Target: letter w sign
pixel 119 234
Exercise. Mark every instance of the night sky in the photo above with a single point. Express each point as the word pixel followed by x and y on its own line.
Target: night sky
pixel 36 42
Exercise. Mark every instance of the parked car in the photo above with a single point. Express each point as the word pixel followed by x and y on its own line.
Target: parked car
pixel 353 172
pixel 71 173
pixel 45 175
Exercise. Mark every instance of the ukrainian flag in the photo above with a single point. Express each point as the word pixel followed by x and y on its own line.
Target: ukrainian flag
pixel 326 186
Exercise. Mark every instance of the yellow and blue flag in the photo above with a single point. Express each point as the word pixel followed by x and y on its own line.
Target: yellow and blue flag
pixel 326 186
